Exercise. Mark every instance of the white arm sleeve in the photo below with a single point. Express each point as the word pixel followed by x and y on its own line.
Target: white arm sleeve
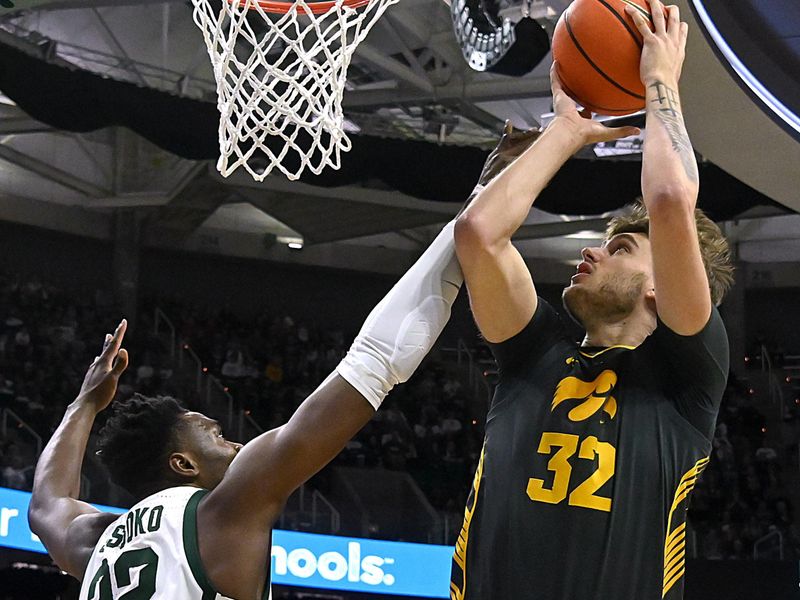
pixel 403 327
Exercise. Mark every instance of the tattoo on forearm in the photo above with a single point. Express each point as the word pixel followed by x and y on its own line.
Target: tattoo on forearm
pixel 668 111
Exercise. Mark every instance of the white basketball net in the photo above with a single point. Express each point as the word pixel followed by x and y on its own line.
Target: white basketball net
pixel 280 79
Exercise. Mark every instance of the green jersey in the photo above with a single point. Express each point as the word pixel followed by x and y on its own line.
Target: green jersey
pixel 151 552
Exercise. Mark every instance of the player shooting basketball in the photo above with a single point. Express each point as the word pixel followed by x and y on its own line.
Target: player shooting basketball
pixel 206 505
pixel 592 451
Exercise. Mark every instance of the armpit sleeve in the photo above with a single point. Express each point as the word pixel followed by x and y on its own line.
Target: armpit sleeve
pixel 544 328
pixel 695 370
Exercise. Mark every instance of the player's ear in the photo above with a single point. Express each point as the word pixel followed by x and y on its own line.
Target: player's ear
pixel 183 465
pixel 650 298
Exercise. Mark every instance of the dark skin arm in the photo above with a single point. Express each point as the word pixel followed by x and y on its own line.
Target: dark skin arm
pixel 235 520
pixel 68 527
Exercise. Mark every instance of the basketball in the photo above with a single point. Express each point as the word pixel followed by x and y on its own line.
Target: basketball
pixel 598 48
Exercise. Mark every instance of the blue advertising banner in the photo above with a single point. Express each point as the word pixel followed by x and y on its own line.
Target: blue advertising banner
pixel 14 530
pixel 301 559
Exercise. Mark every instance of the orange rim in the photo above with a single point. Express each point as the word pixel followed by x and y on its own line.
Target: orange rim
pixel 277 6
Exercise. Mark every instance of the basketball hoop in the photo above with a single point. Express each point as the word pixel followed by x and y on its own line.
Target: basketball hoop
pixel 281 69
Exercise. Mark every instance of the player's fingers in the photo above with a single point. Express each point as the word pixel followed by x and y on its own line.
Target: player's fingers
pixel 119 333
pixel 509 135
pixel 555 81
pixel 674 23
pixel 561 101
pixel 112 346
pixel 615 133
pixel 657 15
pixel 121 362
pixel 684 34
pixel 522 138
pixel 639 21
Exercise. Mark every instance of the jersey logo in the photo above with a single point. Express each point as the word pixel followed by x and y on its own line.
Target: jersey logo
pixel 593 395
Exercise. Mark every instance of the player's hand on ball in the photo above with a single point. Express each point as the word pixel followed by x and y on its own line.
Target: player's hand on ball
pixel 665 48
pixel 100 382
pixel 584 128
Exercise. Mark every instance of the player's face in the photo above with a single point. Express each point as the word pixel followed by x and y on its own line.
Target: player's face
pixel 612 280
pixel 202 438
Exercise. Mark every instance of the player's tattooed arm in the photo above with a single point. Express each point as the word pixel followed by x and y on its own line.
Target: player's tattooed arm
pixel 667 105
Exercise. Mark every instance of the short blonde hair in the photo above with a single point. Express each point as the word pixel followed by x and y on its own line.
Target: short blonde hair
pixel 714 247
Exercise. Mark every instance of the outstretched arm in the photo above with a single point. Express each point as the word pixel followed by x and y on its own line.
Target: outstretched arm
pixel 234 520
pixel 68 527
pixel 501 290
pixel 670 180
pixel 394 339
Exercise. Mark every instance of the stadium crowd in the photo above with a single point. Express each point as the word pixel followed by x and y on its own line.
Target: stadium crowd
pixel 428 427
pixel 742 495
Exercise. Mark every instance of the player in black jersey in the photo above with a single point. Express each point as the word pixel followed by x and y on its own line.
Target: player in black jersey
pixel 592 450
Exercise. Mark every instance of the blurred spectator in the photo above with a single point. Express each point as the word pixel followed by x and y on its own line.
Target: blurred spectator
pixel 270 363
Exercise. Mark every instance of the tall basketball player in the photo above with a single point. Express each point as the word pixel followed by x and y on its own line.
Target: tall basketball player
pixel 201 528
pixel 592 450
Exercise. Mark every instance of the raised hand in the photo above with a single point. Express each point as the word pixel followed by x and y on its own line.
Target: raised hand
pixel 665 48
pixel 100 382
pixel 512 143
pixel 583 127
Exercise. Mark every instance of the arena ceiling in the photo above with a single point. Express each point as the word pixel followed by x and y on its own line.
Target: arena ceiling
pixel 408 82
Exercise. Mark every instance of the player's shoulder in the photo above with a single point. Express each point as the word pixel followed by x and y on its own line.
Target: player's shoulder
pixel 147 515
pixel 173 497
pixel 85 534
pixel 545 335
pixel 710 343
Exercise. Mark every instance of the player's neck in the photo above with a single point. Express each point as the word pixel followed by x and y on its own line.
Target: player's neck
pixel 630 331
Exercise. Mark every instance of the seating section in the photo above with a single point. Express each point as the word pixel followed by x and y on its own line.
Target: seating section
pixel 428 427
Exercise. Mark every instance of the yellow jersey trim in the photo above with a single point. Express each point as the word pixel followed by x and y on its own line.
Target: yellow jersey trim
pixel 460 554
pixel 588 355
pixel 675 542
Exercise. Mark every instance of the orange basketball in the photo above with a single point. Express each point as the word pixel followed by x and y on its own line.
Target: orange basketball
pixel 598 48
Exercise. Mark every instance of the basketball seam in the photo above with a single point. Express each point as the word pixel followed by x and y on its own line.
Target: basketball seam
pixel 623 21
pixel 594 66
pixel 623 111
pixel 635 6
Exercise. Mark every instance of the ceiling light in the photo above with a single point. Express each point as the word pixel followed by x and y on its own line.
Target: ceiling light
pixel 294 242
pixel 586 234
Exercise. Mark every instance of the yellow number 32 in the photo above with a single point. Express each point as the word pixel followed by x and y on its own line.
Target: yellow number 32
pixel 584 494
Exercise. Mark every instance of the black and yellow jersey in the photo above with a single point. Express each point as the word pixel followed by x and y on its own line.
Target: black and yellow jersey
pixel 588 463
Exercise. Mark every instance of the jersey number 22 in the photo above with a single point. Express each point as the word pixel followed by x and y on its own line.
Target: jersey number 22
pixel 144 560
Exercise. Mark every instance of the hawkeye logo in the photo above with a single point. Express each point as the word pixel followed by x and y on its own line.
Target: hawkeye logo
pixel 592 395
pixel 333 566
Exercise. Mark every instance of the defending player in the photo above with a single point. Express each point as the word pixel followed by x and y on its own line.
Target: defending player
pixel 206 505
pixel 592 451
